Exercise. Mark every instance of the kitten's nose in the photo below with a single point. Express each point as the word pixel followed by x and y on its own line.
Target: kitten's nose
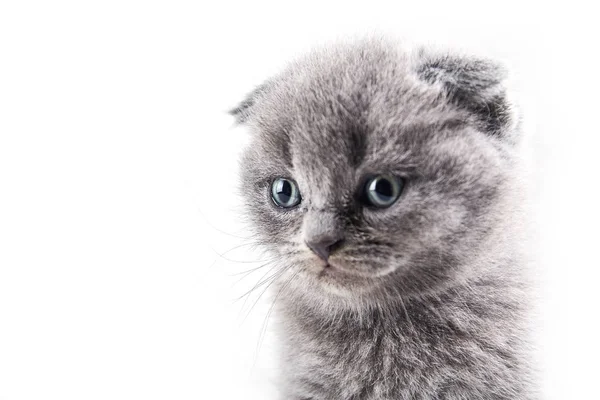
pixel 324 245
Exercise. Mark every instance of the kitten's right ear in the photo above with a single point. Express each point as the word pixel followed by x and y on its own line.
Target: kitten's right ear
pixel 475 85
pixel 243 111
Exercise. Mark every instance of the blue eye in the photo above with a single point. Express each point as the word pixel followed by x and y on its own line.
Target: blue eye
pixel 382 190
pixel 285 193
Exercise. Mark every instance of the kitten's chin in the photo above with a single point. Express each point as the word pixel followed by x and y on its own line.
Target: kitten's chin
pixel 335 281
pixel 364 270
pixel 344 278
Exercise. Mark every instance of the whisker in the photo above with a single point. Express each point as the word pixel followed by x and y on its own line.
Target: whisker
pixel 222 255
pixel 266 321
pixel 275 277
pixel 250 271
pixel 260 283
pixel 220 230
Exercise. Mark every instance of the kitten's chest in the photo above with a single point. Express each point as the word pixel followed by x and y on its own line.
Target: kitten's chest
pixel 395 357
pixel 375 364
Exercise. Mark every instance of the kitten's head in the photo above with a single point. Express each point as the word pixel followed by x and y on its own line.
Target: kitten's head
pixel 374 172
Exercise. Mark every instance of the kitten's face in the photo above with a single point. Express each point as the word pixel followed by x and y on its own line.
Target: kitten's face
pixel 334 123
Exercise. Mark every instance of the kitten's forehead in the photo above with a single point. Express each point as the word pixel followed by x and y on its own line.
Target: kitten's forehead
pixel 334 110
pixel 334 146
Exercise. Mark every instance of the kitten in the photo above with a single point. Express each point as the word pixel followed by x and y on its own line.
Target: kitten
pixel 386 183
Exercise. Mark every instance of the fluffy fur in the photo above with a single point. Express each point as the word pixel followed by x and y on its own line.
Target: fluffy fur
pixel 426 299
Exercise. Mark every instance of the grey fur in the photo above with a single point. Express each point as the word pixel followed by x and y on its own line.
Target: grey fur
pixel 426 299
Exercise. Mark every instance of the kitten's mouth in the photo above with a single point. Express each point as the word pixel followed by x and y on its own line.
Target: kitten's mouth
pixel 325 267
pixel 321 264
pixel 328 269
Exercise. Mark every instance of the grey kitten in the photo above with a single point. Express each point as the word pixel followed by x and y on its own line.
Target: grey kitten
pixel 386 183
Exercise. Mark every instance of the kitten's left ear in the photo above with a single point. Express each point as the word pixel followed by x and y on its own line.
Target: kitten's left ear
pixel 474 85
pixel 243 111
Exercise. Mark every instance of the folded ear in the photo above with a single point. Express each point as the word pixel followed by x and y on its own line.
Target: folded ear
pixel 474 85
pixel 243 111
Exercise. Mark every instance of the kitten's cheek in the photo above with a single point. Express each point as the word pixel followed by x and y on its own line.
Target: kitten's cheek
pixel 386 221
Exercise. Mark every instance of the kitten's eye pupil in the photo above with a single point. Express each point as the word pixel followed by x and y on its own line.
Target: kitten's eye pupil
pixel 285 193
pixel 383 190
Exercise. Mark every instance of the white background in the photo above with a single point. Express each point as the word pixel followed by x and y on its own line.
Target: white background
pixel 118 184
